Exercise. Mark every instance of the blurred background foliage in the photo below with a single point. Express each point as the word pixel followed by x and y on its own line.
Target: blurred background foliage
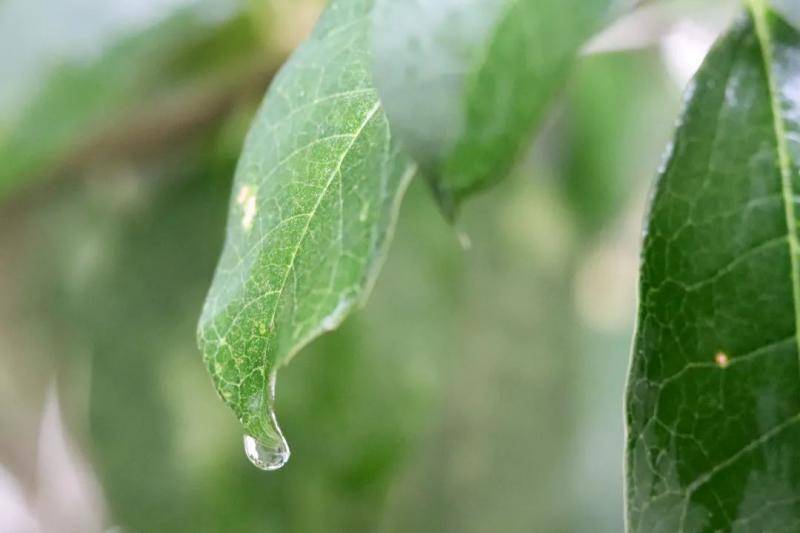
pixel 479 390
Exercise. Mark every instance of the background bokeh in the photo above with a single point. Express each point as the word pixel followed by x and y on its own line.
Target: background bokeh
pixel 479 390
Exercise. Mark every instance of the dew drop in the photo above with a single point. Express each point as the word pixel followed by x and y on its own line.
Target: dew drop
pixel 269 451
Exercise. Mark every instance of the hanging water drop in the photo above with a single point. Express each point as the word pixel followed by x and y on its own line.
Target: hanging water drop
pixel 265 457
pixel 268 451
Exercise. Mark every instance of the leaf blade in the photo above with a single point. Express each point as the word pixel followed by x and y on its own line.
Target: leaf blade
pixel 712 400
pixel 464 84
pixel 315 198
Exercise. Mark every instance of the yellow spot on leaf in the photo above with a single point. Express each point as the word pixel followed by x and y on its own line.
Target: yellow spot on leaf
pixel 722 360
pixel 247 201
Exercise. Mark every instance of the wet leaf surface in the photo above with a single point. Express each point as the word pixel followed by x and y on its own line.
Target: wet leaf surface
pixel 713 397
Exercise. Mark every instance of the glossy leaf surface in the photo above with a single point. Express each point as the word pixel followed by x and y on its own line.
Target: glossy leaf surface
pixel 464 83
pixel 314 201
pixel 714 396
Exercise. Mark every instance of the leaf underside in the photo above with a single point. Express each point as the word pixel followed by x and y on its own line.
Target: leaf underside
pixel 313 205
pixel 713 401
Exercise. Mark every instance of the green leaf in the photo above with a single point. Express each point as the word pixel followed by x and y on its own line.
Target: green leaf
pixel 713 398
pixel 464 83
pixel 315 198
pixel 611 99
pixel 790 10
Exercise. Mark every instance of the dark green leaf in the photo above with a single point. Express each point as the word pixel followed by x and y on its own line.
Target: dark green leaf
pixel 714 398
pixel 314 202
pixel 464 83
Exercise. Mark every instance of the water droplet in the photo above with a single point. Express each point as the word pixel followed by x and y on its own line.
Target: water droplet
pixel 266 457
pixel 269 451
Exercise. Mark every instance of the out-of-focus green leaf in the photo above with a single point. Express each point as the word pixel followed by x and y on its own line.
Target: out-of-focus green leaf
pixel 81 102
pixel 314 202
pixel 790 9
pixel 713 396
pixel 475 468
pixel 611 99
pixel 464 83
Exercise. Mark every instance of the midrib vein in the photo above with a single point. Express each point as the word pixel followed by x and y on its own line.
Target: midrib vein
pixel 332 176
pixel 759 12
pixel 271 372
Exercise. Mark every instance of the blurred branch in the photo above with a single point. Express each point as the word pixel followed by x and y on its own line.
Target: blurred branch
pixel 174 118
pixel 170 119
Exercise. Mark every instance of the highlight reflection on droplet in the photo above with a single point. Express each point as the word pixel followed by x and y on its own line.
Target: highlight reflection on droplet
pixel 266 457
